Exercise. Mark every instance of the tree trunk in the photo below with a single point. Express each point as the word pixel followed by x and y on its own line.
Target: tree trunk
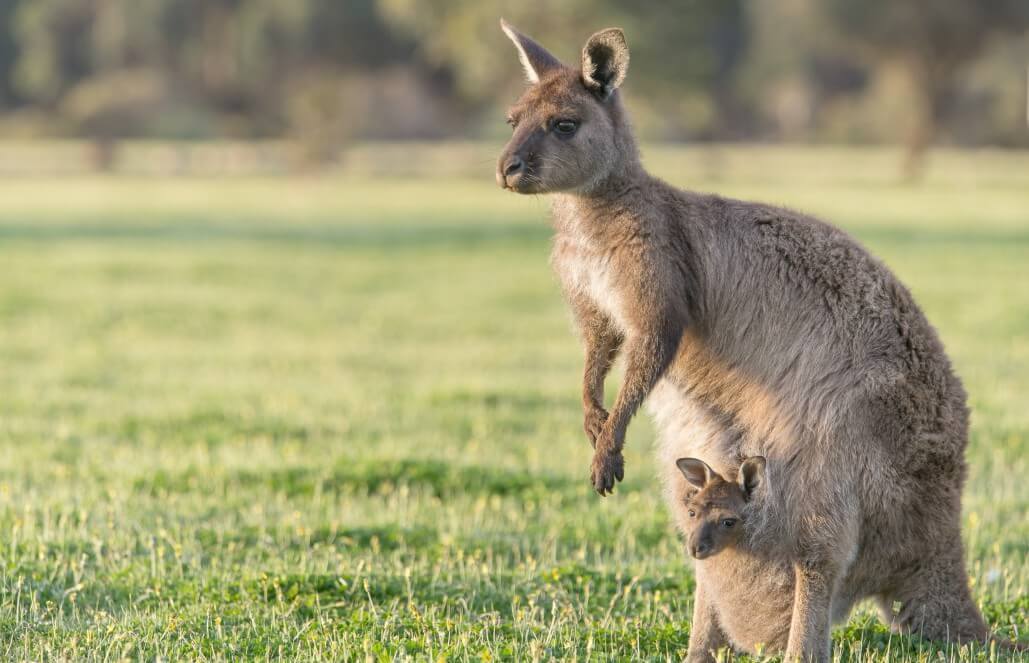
pixel 930 80
pixel 916 149
pixel 103 154
pixel 923 127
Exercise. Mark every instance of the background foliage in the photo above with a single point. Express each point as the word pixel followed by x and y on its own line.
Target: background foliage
pixel 324 72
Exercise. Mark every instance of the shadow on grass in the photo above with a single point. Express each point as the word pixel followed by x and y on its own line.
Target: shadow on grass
pixel 425 542
pixel 375 477
pixel 466 231
pixel 214 427
pixel 500 592
pixel 328 235
pixel 378 539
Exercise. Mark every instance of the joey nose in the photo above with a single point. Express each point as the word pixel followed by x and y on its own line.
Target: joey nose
pixel 700 550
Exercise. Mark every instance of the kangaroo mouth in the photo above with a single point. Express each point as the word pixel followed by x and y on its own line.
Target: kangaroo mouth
pixel 523 182
pixel 518 175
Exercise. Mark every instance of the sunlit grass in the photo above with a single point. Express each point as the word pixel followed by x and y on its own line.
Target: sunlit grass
pixel 337 417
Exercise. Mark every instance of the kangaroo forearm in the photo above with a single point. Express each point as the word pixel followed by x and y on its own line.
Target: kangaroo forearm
pixel 647 359
pixel 601 341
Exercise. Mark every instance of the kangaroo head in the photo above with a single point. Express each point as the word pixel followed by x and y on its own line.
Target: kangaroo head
pixel 570 131
pixel 715 514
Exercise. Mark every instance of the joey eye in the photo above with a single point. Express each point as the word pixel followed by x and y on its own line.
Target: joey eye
pixel 692 513
pixel 728 522
pixel 565 127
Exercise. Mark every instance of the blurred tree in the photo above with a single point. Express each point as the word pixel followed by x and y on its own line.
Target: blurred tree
pixel 111 106
pixel 52 39
pixel 691 50
pixel 320 72
pixel 8 53
pixel 933 39
pixel 110 69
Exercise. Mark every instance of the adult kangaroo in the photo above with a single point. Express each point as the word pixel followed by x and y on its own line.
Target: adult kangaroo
pixel 755 331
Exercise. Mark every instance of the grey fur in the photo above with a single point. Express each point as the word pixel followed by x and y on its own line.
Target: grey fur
pixel 756 330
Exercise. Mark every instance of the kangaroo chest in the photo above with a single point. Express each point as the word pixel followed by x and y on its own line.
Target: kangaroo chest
pixel 590 274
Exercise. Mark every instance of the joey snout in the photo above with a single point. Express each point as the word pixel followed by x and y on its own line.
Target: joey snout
pixel 700 546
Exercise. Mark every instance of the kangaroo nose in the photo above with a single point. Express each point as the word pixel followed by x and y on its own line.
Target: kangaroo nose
pixel 701 550
pixel 510 171
pixel 513 165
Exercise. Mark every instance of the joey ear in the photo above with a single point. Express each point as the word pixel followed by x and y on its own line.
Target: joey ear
pixel 605 61
pixel 696 471
pixel 535 59
pixel 752 473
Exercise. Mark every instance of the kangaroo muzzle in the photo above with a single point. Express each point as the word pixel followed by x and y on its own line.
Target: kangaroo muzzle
pixel 509 171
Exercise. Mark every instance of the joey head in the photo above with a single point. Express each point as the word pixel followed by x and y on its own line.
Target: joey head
pixel 716 514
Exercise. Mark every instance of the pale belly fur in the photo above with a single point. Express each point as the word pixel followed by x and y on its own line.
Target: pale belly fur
pixel 753 599
pixel 686 431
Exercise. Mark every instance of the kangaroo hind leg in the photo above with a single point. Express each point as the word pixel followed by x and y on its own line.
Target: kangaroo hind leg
pixel 935 603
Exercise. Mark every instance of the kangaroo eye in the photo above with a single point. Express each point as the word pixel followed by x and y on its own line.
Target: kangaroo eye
pixel 692 513
pixel 566 127
pixel 728 522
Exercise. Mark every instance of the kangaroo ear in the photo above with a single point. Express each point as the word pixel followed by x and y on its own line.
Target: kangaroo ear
pixel 605 61
pixel 752 473
pixel 696 471
pixel 535 59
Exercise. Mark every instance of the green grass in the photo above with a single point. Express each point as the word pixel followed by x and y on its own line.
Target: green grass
pixel 338 418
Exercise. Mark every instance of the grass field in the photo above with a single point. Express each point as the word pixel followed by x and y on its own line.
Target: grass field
pixel 338 418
